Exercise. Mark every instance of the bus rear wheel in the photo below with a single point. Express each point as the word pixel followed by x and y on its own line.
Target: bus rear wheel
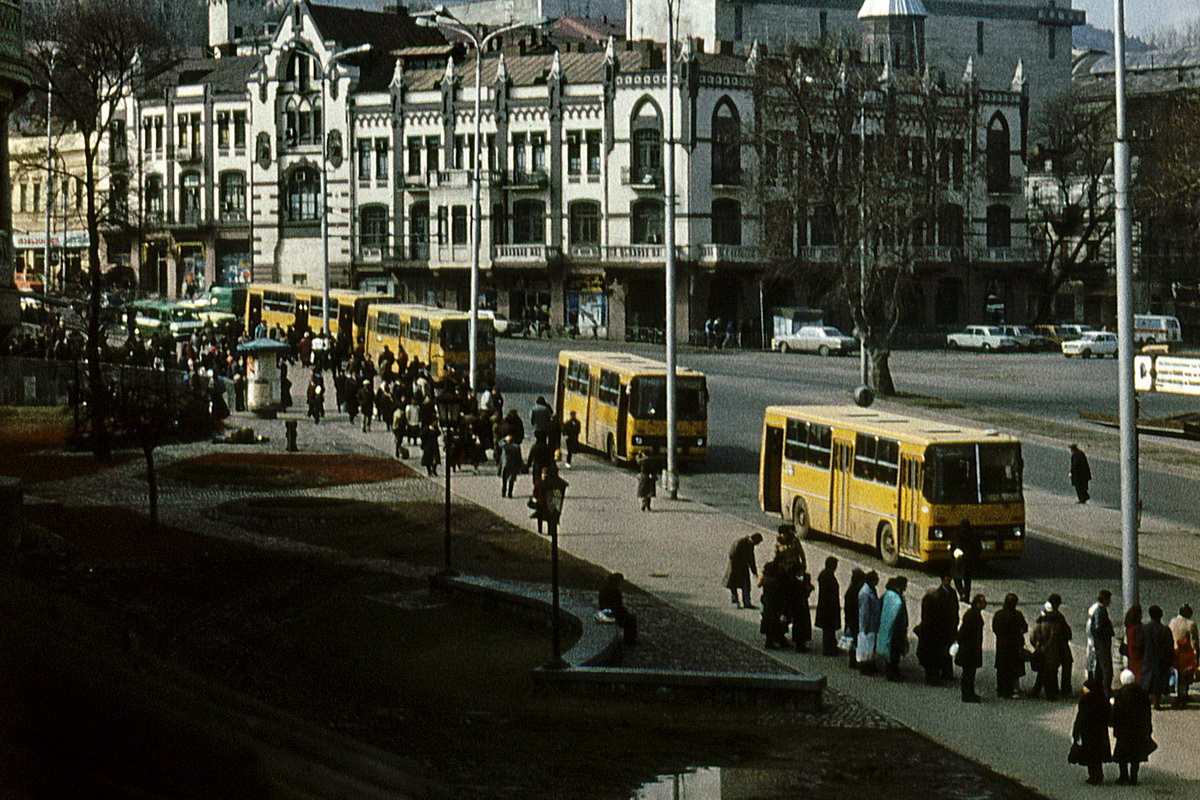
pixel 800 520
pixel 889 552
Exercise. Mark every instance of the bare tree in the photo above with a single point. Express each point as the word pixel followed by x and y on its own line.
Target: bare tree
pixel 1071 194
pixel 860 162
pixel 94 52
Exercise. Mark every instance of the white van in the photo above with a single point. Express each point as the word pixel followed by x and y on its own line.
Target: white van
pixel 1149 328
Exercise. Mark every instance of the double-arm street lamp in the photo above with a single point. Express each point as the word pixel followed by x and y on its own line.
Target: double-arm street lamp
pixel 441 17
pixel 325 73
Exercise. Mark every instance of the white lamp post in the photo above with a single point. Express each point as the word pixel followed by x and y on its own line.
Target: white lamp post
pixel 440 16
pixel 325 72
pixel 49 168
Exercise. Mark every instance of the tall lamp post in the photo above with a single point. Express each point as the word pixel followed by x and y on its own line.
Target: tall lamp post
pixel 671 474
pixel 325 73
pixel 440 16
pixel 1127 401
pixel 449 404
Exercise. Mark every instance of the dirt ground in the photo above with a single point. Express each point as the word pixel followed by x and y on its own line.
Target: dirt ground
pixel 350 637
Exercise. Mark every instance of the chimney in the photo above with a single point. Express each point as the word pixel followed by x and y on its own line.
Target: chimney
pixel 726 47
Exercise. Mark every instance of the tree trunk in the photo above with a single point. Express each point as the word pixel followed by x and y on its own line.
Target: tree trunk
pixel 881 365
pixel 98 396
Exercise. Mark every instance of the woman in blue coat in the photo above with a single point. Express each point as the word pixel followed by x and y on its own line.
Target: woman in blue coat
pixel 892 642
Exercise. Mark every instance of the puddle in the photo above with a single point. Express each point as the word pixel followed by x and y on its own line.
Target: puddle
pixel 723 783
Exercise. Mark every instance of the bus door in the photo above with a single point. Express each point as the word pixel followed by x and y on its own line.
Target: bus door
pixel 560 387
pixel 345 326
pixel 256 301
pixel 597 433
pixel 908 514
pixel 623 421
pixel 839 494
pixel 772 468
pixel 301 322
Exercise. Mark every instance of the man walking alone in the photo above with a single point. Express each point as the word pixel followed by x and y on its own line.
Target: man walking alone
pixel 741 567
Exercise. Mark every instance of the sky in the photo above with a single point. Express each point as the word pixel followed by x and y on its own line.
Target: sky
pixel 1141 16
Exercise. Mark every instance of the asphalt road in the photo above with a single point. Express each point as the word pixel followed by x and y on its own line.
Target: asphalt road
pixel 1042 392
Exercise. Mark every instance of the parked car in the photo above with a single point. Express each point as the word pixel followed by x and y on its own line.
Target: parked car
pixel 1156 328
pixel 981 337
pixel 1091 343
pixel 824 340
pixel 1057 334
pixel 499 321
pixel 1027 338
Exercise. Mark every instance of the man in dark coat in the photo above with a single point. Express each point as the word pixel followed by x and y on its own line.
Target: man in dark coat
pixel 857 578
pixel 571 429
pixel 1158 656
pixel 965 549
pixel 1132 727
pixel 1009 627
pixel 829 612
pixel 970 647
pixel 1100 634
pixel 1080 474
pixel 741 566
pixel 366 403
pixel 935 634
pixel 1090 731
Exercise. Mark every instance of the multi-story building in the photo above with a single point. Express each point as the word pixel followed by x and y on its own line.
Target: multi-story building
pixel 14 82
pixel 227 176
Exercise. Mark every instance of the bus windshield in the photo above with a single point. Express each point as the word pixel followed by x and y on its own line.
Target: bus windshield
pixel 455 336
pixel 649 398
pixel 963 474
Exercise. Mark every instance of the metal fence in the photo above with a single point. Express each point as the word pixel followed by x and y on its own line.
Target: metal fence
pixel 43 382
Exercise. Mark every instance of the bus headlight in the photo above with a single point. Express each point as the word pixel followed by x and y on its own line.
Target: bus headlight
pixel 700 441
pixel 637 440
pixel 1019 531
pixel 937 534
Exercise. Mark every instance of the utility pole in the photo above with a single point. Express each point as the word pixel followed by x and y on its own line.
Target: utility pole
pixel 1127 410
pixel 671 474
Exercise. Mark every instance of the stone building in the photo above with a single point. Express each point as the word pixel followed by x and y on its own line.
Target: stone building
pixel 57 197
pixel 227 181
pixel 14 82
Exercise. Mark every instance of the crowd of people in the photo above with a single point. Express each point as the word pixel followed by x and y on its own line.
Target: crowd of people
pixel 872 629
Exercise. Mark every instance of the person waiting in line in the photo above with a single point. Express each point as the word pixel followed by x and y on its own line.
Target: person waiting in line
pixel 1187 645
pixel 612 601
pixel 511 464
pixel 1066 658
pixel 1100 632
pixel 366 404
pixel 1133 727
pixel 868 623
pixel 935 634
pixel 646 481
pixel 829 611
pixel 965 549
pixel 850 603
pixel 1047 641
pixel 1089 735
pixel 773 625
pixel 892 642
pixel 1158 656
pixel 1009 627
pixel 970 647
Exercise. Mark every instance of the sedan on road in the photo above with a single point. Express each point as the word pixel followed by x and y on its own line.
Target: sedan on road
pixel 824 340
pixel 981 337
pixel 1091 343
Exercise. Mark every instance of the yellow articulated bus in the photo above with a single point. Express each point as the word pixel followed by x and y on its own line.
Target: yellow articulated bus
pixel 902 485
pixel 621 402
pixel 302 307
pixel 437 337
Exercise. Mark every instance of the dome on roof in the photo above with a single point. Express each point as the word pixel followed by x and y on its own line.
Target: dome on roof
pixel 892 8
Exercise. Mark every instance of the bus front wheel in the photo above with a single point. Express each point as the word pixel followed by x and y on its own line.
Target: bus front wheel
pixel 800 519
pixel 889 553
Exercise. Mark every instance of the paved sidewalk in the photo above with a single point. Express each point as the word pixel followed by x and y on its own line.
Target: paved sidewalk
pixel 678 553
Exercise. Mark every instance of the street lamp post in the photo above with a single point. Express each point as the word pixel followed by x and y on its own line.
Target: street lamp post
pixel 325 72
pixel 671 474
pixel 440 16
pixel 449 404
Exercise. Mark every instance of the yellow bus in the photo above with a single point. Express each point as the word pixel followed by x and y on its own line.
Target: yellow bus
pixel 301 307
pixel 439 338
pixel 621 402
pixel 902 485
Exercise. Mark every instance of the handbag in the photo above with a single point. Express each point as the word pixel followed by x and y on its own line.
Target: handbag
pixel 1075 754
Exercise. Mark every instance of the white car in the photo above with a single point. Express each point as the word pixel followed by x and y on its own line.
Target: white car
pixel 1091 343
pixel 499 321
pixel 981 337
pixel 824 340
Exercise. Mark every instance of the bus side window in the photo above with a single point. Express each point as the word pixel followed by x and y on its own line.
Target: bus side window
pixel 864 456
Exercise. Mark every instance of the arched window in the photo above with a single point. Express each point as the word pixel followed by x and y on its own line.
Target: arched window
pixel 726 222
pixel 189 198
pixel 303 185
pixel 726 150
pixel 154 197
pixel 585 222
pixel 999 226
pixel 529 222
pixel 998 152
pixel 646 159
pixel 301 69
pixel 233 195
pixel 950 225
pixel 646 219
pixel 373 227
pixel 418 232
